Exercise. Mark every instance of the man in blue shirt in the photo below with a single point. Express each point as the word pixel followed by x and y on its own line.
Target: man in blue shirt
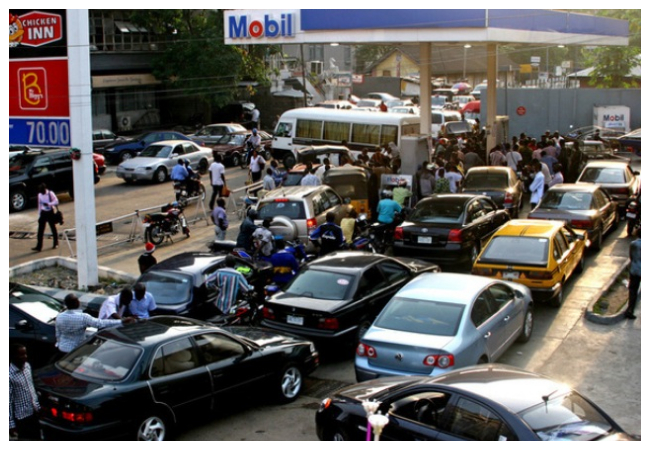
pixel 330 235
pixel 386 209
pixel 143 302
pixel 179 172
pixel 285 265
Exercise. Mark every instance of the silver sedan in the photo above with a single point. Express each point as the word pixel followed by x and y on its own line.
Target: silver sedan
pixel 444 321
pixel 156 162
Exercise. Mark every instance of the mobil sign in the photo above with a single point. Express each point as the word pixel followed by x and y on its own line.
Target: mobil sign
pixel 260 26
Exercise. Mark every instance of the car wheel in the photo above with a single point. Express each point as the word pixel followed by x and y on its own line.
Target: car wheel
pixel 289 383
pixel 289 161
pixel 17 200
pixel 154 234
pixel 124 156
pixel 267 155
pixel 617 219
pixel 598 242
pixel 235 159
pixel 160 175
pixel 153 428
pixel 203 166
pixel 337 435
pixel 473 255
pixel 559 298
pixel 527 329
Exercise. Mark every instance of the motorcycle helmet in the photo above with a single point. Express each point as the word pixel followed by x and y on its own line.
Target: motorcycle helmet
pixel 252 214
pixel 254 130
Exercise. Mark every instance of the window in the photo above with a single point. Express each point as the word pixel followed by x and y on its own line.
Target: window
pixel 517 250
pixel 366 134
pixel 310 129
pixel 475 422
pixel 394 272
pixel 475 212
pixel 388 134
pixel 501 295
pixel 175 357
pixel 426 408
pixel 320 284
pixel 333 199
pixel 481 310
pixel 283 129
pixel 216 347
pixel 336 131
pixel 487 206
pixel 560 244
pixel 424 317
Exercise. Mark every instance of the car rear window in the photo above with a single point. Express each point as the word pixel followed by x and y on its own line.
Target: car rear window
pixel 321 284
pixel 438 211
pixel 281 207
pixel 603 175
pixel 420 316
pixel 486 181
pixel 101 359
pixel 516 250
pixel 168 288
pixel 569 201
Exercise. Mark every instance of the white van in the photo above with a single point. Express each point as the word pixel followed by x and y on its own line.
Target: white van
pixel 439 117
pixel 302 127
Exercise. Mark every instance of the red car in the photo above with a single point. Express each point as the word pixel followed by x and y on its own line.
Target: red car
pixel 100 161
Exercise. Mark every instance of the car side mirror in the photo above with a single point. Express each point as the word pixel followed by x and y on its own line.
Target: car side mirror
pixel 24 325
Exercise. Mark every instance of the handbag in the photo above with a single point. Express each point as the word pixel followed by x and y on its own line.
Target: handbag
pixel 58 215
pixel 225 192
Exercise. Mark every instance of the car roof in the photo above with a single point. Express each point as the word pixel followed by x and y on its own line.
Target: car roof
pixel 512 387
pixel 319 149
pixel 172 142
pixel 291 191
pixel 155 330
pixel 460 197
pixel 348 260
pixel 530 228
pixel 445 287
pixel 189 262
pixel 575 187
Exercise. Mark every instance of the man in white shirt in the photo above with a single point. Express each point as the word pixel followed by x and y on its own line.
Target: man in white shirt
pixel 537 185
pixel 115 305
pixel 255 117
pixel 513 158
pixel 454 177
pixel 217 179
pixel 310 179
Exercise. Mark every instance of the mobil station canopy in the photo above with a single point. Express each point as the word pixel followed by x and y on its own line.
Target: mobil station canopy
pixel 426 28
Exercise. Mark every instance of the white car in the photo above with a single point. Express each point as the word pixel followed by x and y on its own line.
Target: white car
pixel 384 96
pixel 155 163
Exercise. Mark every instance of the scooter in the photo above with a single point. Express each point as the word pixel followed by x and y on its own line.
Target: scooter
pixel 165 224
pixel 633 215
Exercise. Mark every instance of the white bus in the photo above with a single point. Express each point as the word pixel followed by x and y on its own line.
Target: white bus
pixel 360 129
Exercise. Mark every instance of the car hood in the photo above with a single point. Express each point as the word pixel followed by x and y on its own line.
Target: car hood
pixel 312 304
pixel 140 161
pixel 263 337
pixel 58 383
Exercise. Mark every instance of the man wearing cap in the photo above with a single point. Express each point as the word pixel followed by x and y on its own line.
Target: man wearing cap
pixel 146 260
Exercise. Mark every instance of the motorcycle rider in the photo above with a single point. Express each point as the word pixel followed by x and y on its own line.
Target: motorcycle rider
pixel 285 265
pixel 179 175
pixel 254 142
pixel 229 282
pixel 246 230
pixel 329 234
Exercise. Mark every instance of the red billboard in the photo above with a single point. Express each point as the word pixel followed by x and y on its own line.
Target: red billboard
pixel 38 88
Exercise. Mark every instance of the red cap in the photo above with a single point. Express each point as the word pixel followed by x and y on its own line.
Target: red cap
pixel 149 247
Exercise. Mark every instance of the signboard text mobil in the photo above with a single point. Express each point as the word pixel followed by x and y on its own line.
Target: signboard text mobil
pixel 38 78
pixel 243 27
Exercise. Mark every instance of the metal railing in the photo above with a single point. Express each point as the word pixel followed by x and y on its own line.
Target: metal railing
pixel 239 208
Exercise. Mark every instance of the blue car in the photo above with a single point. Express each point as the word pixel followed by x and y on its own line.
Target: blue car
pixel 120 151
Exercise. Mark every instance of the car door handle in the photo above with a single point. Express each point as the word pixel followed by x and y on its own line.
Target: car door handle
pixel 506 318
pixel 487 335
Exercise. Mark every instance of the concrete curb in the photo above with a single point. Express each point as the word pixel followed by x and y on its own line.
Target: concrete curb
pixel 608 319
pixel 68 263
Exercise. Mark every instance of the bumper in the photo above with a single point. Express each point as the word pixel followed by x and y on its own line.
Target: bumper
pixel 131 176
pixel 311 333
pixel 546 294
pixel 109 431
pixel 364 372
pixel 449 256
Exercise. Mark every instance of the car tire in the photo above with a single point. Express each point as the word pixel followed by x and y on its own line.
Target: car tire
pixel 203 166
pixel 289 161
pixel 557 301
pixel 160 175
pixel 289 383
pixel 18 200
pixel 235 159
pixel 153 427
pixel 267 155
pixel 125 156
pixel 529 324
pixel 154 234
pixel 598 242
pixel 473 255
pixel 337 434
pixel 285 227
pixel 617 219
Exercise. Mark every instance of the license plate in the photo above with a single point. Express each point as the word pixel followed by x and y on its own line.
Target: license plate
pixel 425 239
pixel 295 320
pixel 631 215
pixel 510 275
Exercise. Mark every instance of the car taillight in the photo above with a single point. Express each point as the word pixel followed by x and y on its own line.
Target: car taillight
pixel 281 200
pixel 311 223
pixel 508 199
pixel 539 275
pixel 622 191
pixel 329 323
pixel 70 416
pixel 268 313
pixel 582 224
pixel 366 350
pixel 484 272
pixel 442 361
pixel 399 234
pixel 455 236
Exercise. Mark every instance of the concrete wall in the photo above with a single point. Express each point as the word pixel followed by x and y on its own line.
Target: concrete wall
pixel 557 109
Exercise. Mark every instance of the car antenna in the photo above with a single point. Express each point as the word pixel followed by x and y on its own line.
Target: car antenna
pixel 546 399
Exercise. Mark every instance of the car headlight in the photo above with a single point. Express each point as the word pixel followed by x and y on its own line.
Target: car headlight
pixel 142 169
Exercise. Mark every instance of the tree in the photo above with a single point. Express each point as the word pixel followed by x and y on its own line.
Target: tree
pixel 366 55
pixel 195 62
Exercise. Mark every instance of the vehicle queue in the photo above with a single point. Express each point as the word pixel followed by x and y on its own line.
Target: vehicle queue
pixel 319 303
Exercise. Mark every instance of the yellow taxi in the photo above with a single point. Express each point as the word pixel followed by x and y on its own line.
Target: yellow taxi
pixel 540 254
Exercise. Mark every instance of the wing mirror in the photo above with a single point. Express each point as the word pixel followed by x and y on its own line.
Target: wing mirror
pixel 24 325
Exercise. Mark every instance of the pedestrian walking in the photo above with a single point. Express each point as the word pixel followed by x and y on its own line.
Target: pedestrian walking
pixel 47 202
pixel 634 283
pixel 146 260
pixel 217 178
pixel 256 166
pixel 255 117
pixel 220 219
pixel 23 400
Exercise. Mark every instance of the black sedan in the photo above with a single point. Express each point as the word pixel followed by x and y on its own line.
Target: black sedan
pixel 232 147
pixel 449 229
pixel 139 380
pixel 178 284
pixel 336 298
pixel 584 206
pixel 31 322
pixel 489 402
pixel 501 184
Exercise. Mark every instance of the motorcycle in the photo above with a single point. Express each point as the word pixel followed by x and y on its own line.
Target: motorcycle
pixel 361 239
pixel 165 224
pixel 189 189
pixel 246 311
pixel 633 215
pixel 381 234
pixel 245 161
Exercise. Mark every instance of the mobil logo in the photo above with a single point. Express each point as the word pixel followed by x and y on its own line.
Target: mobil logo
pixel 613 117
pixel 245 27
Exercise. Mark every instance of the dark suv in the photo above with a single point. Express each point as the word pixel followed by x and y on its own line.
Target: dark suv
pixel 32 167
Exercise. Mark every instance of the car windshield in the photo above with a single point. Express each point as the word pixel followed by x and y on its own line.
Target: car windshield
pixel 39 306
pixel 486 181
pixel 569 201
pixel 517 250
pixel 168 288
pixel 320 284
pixel 603 175
pixel 568 417
pixel 294 210
pixel 157 151
pixel 438 211
pixel 421 316
pixel 101 359
pixel 438 101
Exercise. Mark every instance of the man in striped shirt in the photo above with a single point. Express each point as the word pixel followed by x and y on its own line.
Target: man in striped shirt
pixel 23 401
pixel 229 281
